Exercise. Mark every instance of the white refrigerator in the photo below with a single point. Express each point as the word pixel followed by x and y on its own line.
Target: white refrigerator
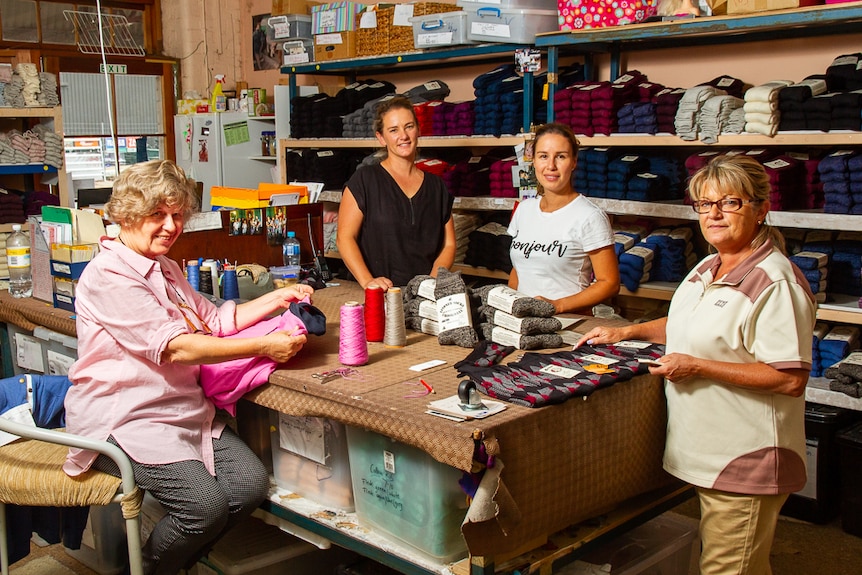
pixel 224 149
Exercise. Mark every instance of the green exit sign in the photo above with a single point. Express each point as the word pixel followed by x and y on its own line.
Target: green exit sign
pixel 112 68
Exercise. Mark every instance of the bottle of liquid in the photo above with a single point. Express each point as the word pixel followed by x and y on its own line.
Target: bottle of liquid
pixel 290 250
pixel 218 102
pixel 18 260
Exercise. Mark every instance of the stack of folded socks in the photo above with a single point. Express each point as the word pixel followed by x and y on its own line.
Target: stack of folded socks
pixel 31 86
pixel 666 106
pixel 854 169
pixel 302 117
pixel 563 106
pixel 501 178
pixel 591 172
pixel 465 224
pixel 732 86
pixel 461 119
pixel 451 293
pixel 512 111
pixel 685 121
pixel 791 101
pixel 13 92
pixel 636 263
pixel 430 91
pixel 845 264
pixel 820 331
pixel 434 166
pixel 843 74
pixel 606 101
pixel 787 179
pixel 10 153
pixel 11 209
pixel 621 170
pixel 581 119
pixel 814 266
pixel 818 112
pixel 846 111
pixel 515 319
pixel 837 344
pixel 425 116
pixel 627 236
pixel 48 94
pixel 835 177
pixel 761 107
pixel 420 305
pixel 812 187
pixel 487 88
pixel 637 118
pixel 469 177
pixel 673 253
pixel 672 169
pixel 647 91
pixel 647 187
pixel 846 375
pixel 489 248
pixel 721 114
pixel 695 162
pixel 437 112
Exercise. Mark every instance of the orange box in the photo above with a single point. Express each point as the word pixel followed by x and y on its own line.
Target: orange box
pixel 335 46
pixel 266 190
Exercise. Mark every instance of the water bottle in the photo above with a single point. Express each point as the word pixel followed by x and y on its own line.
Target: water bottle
pixel 290 250
pixel 18 260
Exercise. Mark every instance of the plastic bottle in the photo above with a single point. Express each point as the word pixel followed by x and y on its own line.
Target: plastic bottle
pixel 219 100
pixel 290 250
pixel 18 260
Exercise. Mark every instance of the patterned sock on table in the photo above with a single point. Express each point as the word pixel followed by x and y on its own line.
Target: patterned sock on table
pixel 485 353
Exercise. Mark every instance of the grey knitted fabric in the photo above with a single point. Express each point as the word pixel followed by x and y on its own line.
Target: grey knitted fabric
pixel 412 288
pixel 851 368
pixel 422 324
pixel 853 389
pixel 521 305
pixel 524 325
pixel 449 284
pixel 538 341
pixel 421 307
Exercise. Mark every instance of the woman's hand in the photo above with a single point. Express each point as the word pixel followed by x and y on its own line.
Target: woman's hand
pixel 601 334
pixel 558 307
pixel 294 293
pixel 677 367
pixel 382 282
pixel 281 346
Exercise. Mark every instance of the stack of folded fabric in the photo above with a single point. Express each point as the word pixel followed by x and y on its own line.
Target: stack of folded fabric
pixel 721 114
pixel 843 74
pixel 846 375
pixel 695 162
pixel 812 187
pixel 11 209
pixel 685 121
pixel 673 253
pixel 636 263
pixel 787 178
pixel 820 331
pixel 434 166
pixel 515 319
pixel 627 236
pixel 303 123
pixel 606 101
pixel 501 178
pixel 31 86
pixel 469 177
pixel 761 107
pixel 512 110
pixel 13 94
pixel 672 169
pixel 431 91
pixel 846 111
pixel 460 119
pixel 835 176
pixel 12 149
pixel 793 240
pixel 437 112
pixel 581 119
pixel 487 89
pixel 489 248
pixel 818 241
pixel 563 106
pixel 647 187
pixel 818 112
pixel 425 116
pixel 48 94
pixel 325 112
pixel 814 266
pixel 837 344
pixel 594 162
pixel 420 305
pixel 791 101
pixel 666 106
pixel 733 86
pixel 621 170
pixel 845 264
pixel 637 118
pixel 647 91
pixel 465 224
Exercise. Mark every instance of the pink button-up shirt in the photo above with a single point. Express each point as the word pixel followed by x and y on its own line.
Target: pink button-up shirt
pixel 126 315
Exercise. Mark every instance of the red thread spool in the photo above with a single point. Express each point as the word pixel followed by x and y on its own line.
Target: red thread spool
pixel 375 313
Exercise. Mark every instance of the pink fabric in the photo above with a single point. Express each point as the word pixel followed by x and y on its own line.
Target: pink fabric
pixel 157 412
pixel 226 382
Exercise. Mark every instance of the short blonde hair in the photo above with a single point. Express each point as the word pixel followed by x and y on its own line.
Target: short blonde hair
pixel 143 187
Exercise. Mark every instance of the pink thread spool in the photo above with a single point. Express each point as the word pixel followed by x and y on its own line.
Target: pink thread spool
pixel 352 347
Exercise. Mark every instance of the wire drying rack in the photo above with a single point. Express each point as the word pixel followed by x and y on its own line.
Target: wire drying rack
pixel 115 29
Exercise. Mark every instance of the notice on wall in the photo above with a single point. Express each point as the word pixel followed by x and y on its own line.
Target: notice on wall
pixel 236 133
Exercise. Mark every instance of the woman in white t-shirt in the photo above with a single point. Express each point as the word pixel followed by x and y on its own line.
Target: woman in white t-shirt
pixel 562 244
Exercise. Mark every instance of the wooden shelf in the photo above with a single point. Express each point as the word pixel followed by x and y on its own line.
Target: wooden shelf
pixel 424 141
pixel 480 272
pixel 799 139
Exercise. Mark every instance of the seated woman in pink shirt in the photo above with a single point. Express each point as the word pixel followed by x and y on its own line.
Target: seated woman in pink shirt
pixel 143 333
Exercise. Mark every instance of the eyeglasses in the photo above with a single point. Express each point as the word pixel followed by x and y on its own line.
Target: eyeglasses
pixel 182 305
pixel 724 204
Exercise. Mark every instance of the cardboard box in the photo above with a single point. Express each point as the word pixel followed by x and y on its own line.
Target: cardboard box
pixel 290 7
pixel 191 106
pixel 335 46
pixel 749 6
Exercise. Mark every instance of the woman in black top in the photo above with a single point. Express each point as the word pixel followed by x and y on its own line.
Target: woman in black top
pixel 395 221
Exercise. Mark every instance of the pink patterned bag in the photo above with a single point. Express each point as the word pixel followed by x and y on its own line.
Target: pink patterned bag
pixel 582 14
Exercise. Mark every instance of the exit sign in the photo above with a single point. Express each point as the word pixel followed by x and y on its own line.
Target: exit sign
pixel 112 68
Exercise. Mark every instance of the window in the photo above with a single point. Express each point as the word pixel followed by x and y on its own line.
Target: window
pixel 19 22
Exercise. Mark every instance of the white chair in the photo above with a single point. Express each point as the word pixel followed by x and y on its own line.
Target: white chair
pixel 31 474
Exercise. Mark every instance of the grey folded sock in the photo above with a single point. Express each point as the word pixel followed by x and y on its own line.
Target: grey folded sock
pixel 450 284
pixel 849 369
pixel 412 289
pixel 523 325
pixel 422 324
pixel 421 307
pixel 521 305
pixel 539 341
pixel 853 389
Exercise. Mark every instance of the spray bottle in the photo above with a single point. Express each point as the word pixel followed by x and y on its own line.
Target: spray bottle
pixel 219 100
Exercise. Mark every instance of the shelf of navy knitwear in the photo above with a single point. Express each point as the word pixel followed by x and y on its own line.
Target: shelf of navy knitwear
pixel 18 169
pixel 418 60
pixel 812 21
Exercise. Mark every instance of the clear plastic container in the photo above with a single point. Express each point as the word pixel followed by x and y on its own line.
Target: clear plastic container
pixel 290 250
pixel 18 259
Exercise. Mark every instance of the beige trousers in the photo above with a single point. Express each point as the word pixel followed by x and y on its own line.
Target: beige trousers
pixel 736 532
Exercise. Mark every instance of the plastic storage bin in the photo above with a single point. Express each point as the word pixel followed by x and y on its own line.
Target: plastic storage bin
pixel 61 350
pixel 850 446
pixel 310 458
pixel 819 501
pixel 103 546
pixel 510 25
pixel 402 491
pixel 444 29
pixel 507 4
pixel 255 548
pixel 290 26
pixel 661 546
